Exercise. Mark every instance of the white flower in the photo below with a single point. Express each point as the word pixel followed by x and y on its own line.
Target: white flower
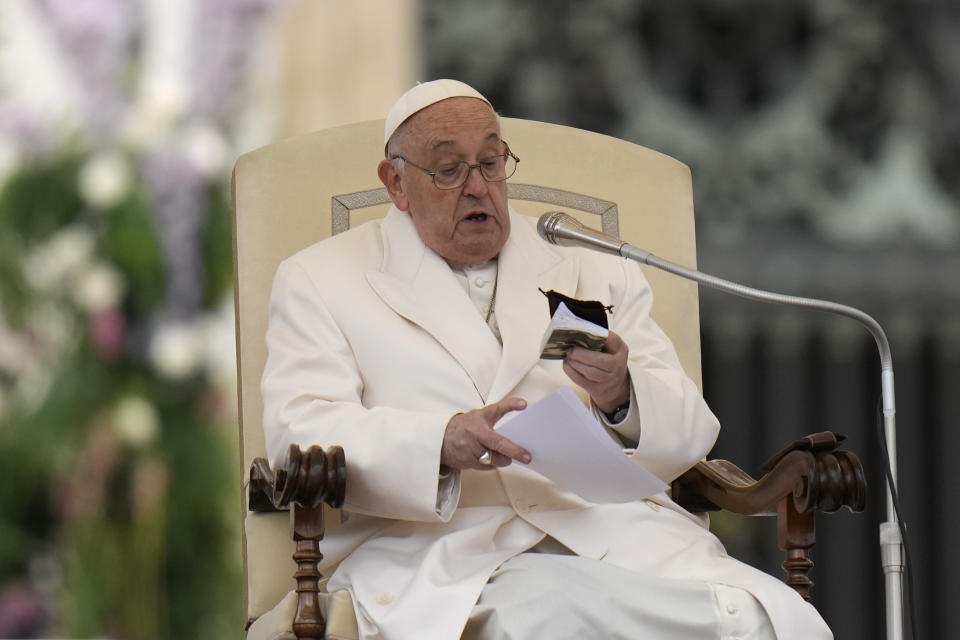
pixel 33 356
pixel 105 179
pixel 14 351
pixel 135 420
pixel 162 101
pixel 220 347
pixel 47 267
pixel 206 149
pixel 32 386
pixel 176 351
pixel 99 288
pixel 53 329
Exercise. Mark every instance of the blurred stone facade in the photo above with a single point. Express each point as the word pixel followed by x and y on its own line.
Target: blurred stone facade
pixel 823 140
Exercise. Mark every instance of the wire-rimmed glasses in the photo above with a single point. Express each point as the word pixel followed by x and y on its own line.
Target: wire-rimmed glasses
pixel 452 175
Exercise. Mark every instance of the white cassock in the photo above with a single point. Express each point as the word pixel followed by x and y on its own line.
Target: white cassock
pixel 374 345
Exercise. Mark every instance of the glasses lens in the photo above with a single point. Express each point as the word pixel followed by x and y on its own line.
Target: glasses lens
pixel 493 168
pixel 451 175
pixel 509 166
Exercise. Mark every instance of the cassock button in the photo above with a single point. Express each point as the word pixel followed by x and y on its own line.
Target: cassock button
pixel 479 281
pixel 732 610
pixel 384 597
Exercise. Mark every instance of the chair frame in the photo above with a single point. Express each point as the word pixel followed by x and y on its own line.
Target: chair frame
pixel 810 475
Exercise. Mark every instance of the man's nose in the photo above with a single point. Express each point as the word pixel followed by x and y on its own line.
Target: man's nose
pixel 475 185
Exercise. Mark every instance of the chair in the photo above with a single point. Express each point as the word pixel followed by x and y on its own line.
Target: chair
pixel 292 193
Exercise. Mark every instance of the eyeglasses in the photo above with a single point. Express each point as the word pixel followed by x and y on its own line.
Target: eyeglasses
pixel 454 174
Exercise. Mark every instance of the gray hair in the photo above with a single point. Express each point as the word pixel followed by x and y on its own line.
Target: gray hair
pixel 398 140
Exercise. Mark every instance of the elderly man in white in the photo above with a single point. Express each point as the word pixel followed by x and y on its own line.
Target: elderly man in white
pixel 406 340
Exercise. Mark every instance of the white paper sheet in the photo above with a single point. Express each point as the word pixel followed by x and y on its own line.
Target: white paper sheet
pixel 571 448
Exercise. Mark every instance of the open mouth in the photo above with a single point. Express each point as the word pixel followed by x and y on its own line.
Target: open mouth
pixel 477 217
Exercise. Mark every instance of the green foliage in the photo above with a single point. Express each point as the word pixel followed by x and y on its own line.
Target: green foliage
pixel 42 197
pixel 130 241
pixel 143 528
pixel 35 201
pixel 218 246
pixel 14 293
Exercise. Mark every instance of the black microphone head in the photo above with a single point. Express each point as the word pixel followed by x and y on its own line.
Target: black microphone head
pixel 548 222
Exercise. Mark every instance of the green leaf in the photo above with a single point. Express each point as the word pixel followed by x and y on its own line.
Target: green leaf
pixel 217 242
pixel 130 241
pixel 41 198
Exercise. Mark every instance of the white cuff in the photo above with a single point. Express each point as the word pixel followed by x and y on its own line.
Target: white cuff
pixel 448 492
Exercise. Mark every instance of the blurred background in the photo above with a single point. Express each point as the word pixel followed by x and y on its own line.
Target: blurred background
pixel 824 140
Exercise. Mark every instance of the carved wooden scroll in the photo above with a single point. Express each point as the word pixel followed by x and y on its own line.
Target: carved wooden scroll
pixel 808 476
pixel 308 481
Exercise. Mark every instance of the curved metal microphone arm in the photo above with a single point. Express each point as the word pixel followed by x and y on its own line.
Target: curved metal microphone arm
pixel 891 540
pixel 560 228
pixel 883 345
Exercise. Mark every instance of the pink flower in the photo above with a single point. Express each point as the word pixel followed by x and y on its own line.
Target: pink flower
pixel 108 332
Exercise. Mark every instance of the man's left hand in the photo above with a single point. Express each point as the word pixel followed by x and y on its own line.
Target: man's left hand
pixel 602 374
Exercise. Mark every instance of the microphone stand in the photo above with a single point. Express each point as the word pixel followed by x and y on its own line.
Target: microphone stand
pixel 891 540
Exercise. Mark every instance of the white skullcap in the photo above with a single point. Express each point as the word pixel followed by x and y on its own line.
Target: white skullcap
pixel 421 96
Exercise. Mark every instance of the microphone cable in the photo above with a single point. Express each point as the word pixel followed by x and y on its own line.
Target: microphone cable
pixel 895 498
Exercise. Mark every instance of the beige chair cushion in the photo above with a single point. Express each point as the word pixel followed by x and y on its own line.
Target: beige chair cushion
pixel 337 609
pixel 285 195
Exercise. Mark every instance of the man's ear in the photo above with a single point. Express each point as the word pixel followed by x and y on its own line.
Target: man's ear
pixel 390 177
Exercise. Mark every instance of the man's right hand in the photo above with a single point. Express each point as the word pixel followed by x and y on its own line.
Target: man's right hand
pixel 470 434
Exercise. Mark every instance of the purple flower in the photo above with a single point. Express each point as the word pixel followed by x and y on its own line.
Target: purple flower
pixel 97 37
pixel 23 612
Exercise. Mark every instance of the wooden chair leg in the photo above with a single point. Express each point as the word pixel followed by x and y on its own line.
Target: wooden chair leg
pixel 796 534
pixel 309 480
pixel 308 624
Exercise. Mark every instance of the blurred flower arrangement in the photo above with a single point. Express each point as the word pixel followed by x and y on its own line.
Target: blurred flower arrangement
pixel 118 506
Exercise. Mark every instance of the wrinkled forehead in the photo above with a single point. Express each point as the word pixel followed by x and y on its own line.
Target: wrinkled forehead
pixel 453 123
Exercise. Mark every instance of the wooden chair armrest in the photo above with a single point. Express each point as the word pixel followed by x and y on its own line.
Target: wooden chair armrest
pixel 809 475
pixel 307 482
pixel 812 470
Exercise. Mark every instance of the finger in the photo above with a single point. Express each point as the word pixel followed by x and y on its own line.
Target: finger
pixel 497 461
pixel 573 374
pixel 614 343
pixel 497 410
pixel 498 444
pixel 614 350
pixel 587 372
pixel 597 359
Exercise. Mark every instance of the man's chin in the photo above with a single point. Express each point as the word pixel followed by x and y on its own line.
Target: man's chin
pixel 475 253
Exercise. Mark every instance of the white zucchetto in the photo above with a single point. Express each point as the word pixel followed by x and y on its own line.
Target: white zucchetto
pixel 421 96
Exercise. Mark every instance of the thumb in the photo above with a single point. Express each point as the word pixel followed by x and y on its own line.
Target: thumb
pixel 497 410
pixel 614 343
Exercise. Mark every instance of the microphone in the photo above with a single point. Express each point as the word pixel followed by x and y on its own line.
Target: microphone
pixel 562 229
